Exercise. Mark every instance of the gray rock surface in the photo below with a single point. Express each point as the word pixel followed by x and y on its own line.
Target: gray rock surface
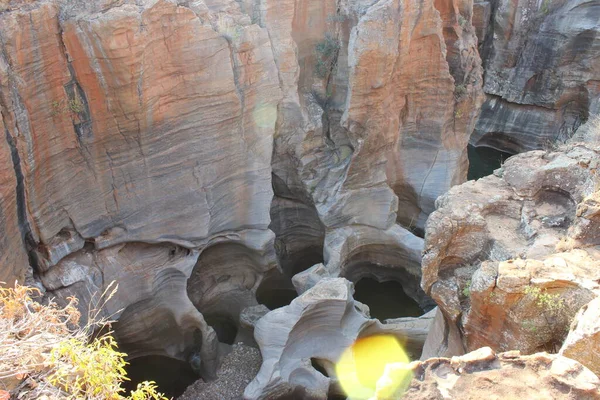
pixel 541 72
pixel 313 331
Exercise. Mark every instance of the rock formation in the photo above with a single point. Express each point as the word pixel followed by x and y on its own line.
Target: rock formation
pixel 483 374
pixel 216 158
pixel 583 342
pixel 541 71
pixel 511 258
pixel 301 343
pixel 144 142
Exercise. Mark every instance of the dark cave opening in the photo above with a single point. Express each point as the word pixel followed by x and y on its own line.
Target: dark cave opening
pixel 275 293
pixel 224 327
pixel 386 300
pixel 306 259
pixel 171 376
pixel 483 161
pixel 317 365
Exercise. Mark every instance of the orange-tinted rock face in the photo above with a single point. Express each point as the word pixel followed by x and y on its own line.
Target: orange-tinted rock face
pixel 150 123
pixel 136 126
pixel 165 121
pixel 155 122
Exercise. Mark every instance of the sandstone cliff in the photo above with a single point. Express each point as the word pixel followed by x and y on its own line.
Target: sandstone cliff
pixel 541 71
pixel 214 155
pixel 144 143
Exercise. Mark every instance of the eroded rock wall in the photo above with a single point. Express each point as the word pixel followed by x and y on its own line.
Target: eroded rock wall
pixel 138 123
pixel 135 132
pixel 541 71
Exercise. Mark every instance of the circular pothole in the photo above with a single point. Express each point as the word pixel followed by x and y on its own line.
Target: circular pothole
pixel 171 376
pixel 386 300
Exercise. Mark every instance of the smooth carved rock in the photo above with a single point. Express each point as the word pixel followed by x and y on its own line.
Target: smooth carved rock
pixel 541 73
pixel 154 314
pixel 316 327
pixel 226 277
pixel 501 257
pixel 583 342
pixel 359 252
pixel 363 252
pixel 168 296
pixel 139 124
pixel 483 374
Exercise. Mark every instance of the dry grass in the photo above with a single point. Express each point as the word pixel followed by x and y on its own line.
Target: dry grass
pixel 45 354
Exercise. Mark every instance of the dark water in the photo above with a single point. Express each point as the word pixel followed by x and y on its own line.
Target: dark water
pixel 386 300
pixel 484 160
pixel 275 298
pixel 171 376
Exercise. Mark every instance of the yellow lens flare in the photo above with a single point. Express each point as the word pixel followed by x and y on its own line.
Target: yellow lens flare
pixel 375 367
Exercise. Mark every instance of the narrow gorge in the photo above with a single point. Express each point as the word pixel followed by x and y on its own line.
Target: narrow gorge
pixel 271 181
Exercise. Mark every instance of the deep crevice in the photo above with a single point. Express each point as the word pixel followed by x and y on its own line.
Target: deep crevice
pixel 24 227
pixel 483 161
pixel 171 376
pixel 224 327
pixel 275 293
pixel 386 300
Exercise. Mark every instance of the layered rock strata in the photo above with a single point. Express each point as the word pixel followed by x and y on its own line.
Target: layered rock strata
pixel 137 129
pixel 541 71
pixel 144 141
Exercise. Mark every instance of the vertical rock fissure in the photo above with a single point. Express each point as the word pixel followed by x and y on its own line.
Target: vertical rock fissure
pixel 24 227
pixel 78 103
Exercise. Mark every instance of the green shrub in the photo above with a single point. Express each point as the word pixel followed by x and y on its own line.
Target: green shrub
pixel 546 301
pixel 45 353
pixel 326 52
pixel 459 91
pixel 467 289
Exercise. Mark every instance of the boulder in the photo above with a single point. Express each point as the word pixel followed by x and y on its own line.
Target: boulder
pixel 501 256
pixel 483 374
pixel 583 342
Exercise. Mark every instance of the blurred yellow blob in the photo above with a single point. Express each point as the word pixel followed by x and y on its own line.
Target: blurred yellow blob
pixel 374 367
